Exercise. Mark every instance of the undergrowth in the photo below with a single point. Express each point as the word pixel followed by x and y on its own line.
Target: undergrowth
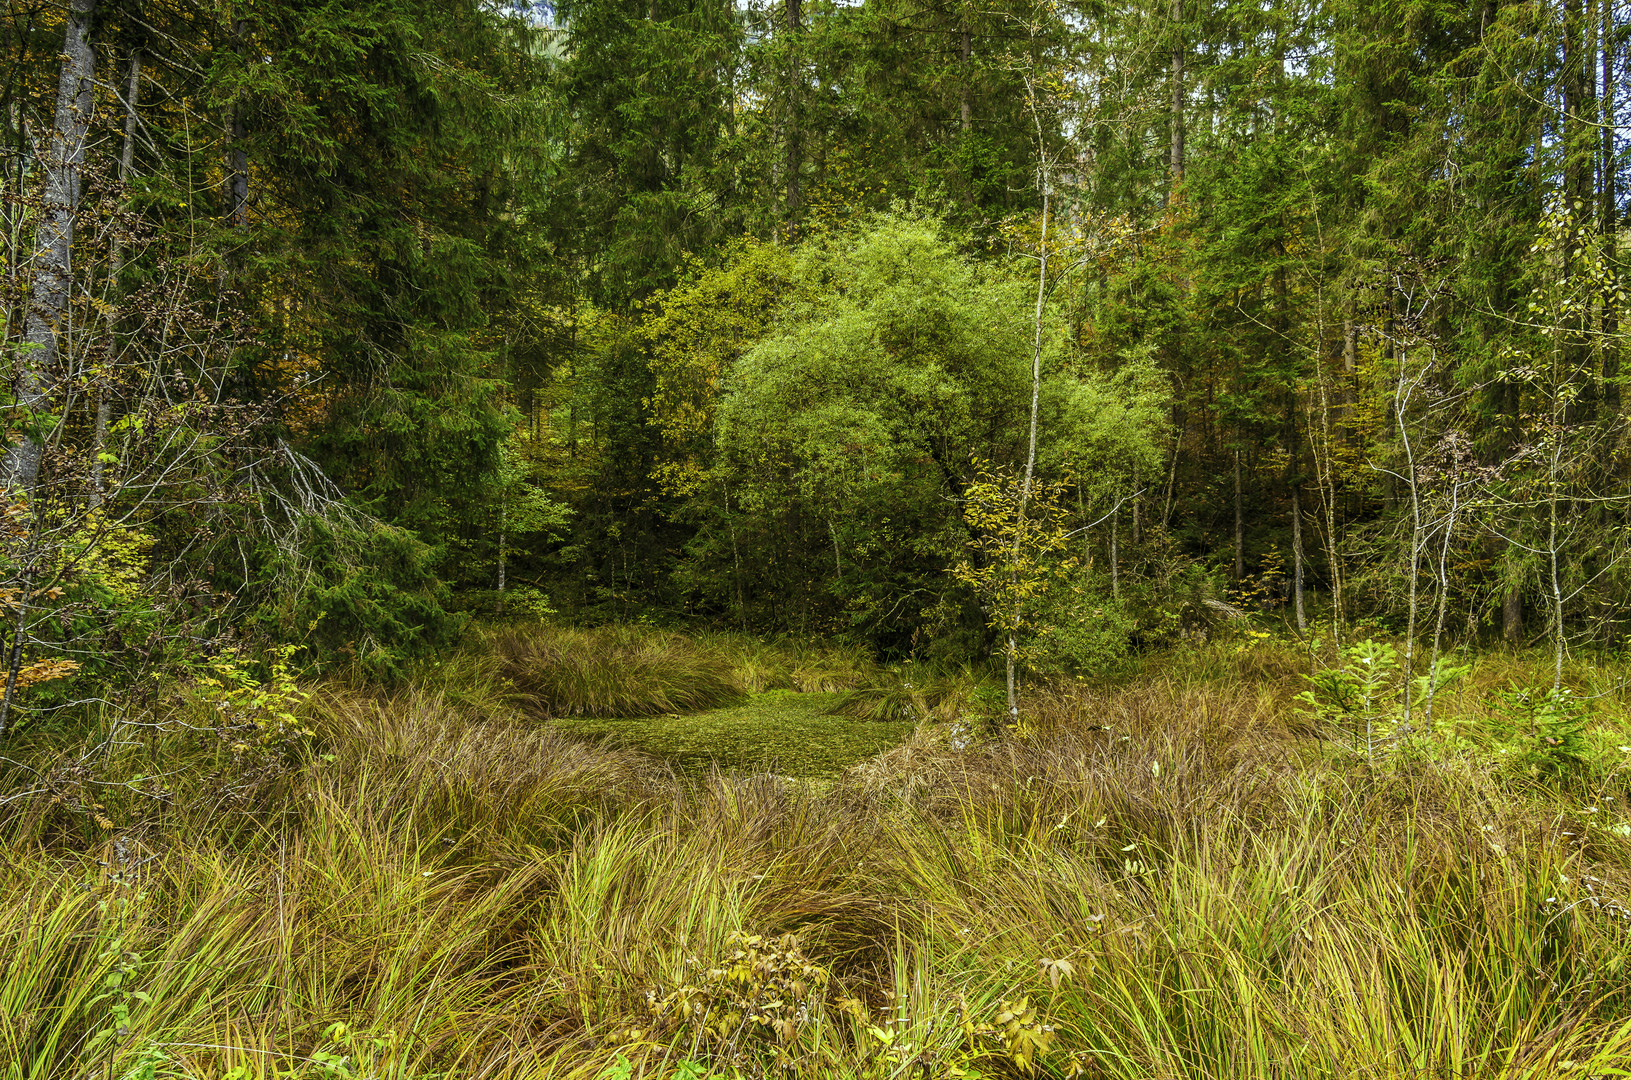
pixel 1175 876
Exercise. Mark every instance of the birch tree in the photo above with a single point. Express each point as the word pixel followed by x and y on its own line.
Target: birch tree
pixel 47 323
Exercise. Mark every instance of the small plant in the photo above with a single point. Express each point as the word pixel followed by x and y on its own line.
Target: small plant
pixel 347 1054
pixel 752 1004
pixel 1019 1030
pixel 120 964
pixel 1542 730
pixel 255 712
pixel 1268 588
pixel 1360 695
pixel 912 692
pixel 1019 545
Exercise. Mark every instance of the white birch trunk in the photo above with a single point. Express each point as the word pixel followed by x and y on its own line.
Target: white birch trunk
pixel 46 323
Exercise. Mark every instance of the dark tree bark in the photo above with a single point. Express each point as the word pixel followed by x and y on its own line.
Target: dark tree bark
pixel 1297 557
pixel 1176 162
pixel 968 53
pixel 1609 214
pixel 1512 616
pixel 1240 525
pixel 235 169
pixel 794 120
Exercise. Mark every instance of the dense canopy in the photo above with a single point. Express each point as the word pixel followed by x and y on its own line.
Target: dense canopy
pixel 332 322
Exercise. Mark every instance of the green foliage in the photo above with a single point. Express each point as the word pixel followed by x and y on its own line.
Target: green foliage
pixel 1359 695
pixel 1542 730
pixel 698 331
pixel 842 441
pixel 1019 546
pixel 750 1002
pixel 360 593
pixel 1083 630
pixel 903 356
pixel 347 1054
pixel 1364 695
pixel 650 173
pixel 1100 427
pixel 801 737
pixel 253 713
pixel 86 604
pixel 915 693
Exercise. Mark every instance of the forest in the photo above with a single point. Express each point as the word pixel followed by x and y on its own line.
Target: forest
pixel 858 539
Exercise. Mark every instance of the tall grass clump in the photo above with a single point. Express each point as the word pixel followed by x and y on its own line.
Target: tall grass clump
pixel 634 671
pixel 808 667
pixel 917 692
pixel 613 671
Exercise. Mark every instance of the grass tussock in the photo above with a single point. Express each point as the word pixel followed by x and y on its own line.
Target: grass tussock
pixel 914 692
pixel 1166 878
pixel 635 671
pixel 613 671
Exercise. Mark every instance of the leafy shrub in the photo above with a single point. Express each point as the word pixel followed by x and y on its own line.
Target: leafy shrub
pixel 79 587
pixel 1084 637
pixel 759 994
pixel 1364 695
pixel 1359 695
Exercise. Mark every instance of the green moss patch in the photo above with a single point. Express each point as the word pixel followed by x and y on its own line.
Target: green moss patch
pixel 778 731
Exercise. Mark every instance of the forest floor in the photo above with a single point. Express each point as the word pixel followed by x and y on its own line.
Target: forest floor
pixel 1186 872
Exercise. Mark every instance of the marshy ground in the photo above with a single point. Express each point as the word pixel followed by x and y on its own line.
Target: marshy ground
pixel 781 732
pixel 1180 874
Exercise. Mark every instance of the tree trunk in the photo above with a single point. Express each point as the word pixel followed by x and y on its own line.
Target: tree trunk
pixel 1552 544
pixel 1580 144
pixel 1443 590
pixel 968 53
pixel 1115 555
pixel 235 172
pixel 503 549
pixel 1350 366
pixel 13 213
pixel 1609 215
pixel 1325 473
pixel 1036 402
pixel 45 324
pixel 1138 534
pixel 794 135
pixel 1578 149
pixel 1176 161
pixel 1404 387
pixel 1512 614
pixel 1180 427
pixel 1297 557
pixel 1240 525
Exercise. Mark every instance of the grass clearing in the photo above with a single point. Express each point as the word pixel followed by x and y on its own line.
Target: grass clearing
pixel 1169 877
